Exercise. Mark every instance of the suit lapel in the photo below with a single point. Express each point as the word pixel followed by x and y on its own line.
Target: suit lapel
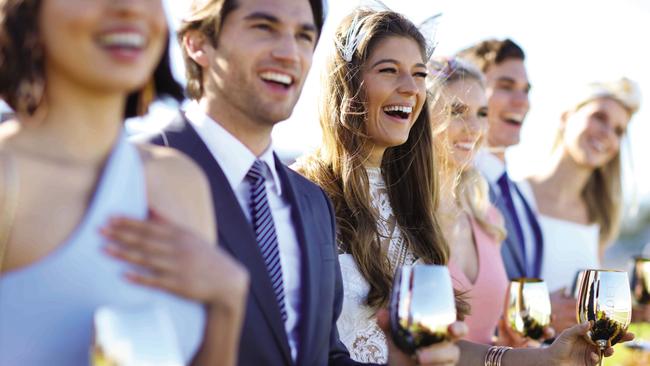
pixel 301 212
pixel 510 240
pixel 235 232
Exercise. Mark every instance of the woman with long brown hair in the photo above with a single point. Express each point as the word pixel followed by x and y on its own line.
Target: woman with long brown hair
pixel 377 167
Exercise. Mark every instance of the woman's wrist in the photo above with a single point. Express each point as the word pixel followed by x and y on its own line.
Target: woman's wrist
pixel 528 356
pixel 233 297
pixel 494 355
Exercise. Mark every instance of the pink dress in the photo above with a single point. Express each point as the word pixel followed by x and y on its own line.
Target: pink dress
pixel 486 295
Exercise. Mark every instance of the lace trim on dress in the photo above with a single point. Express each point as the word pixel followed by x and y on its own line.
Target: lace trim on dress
pixel 397 251
pixel 357 324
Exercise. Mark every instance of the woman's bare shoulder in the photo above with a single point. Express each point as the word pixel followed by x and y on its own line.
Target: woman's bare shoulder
pixel 178 188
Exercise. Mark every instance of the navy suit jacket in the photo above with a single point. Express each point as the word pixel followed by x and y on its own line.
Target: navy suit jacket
pixel 264 341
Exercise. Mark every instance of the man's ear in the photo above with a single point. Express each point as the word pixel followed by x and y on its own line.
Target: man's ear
pixel 195 44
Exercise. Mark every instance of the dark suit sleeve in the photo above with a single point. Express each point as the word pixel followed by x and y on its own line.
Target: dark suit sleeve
pixel 339 355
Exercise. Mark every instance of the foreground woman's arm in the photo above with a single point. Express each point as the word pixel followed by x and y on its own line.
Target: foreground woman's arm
pixel 569 348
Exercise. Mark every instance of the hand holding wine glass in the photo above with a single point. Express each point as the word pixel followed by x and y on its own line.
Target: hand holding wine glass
pixel 604 300
pixel 422 317
pixel 422 306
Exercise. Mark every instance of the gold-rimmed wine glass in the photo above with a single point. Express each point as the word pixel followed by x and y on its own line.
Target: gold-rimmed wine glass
pixel 528 307
pixel 604 300
pixel 422 306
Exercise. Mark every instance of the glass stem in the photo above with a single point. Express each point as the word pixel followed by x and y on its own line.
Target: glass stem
pixel 601 356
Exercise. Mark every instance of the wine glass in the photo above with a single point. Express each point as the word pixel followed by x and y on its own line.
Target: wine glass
pixel 641 280
pixel 604 299
pixel 422 306
pixel 528 307
pixel 134 335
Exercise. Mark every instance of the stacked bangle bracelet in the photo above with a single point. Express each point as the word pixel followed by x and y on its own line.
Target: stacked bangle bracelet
pixel 495 354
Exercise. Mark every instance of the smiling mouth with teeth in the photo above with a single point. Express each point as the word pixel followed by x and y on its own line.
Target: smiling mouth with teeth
pixel 513 122
pixel 128 40
pixel 401 112
pixel 277 78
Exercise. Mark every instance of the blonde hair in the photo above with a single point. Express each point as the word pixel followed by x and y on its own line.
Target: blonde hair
pixel 603 193
pixel 468 187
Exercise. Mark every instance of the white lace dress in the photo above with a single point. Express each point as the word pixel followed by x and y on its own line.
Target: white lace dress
pixel 357 324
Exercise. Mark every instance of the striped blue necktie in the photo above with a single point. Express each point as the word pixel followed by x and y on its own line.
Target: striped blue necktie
pixel 265 231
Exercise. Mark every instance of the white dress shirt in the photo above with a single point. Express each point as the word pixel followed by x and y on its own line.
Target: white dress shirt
pixel 236 160
pixel 492 169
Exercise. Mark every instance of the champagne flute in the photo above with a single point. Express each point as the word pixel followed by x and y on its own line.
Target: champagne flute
pixel 528 307
pixel 604 299
pixel 641 280
pixel 422 306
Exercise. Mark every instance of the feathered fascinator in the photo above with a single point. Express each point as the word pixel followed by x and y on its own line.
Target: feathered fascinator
pixel 348 44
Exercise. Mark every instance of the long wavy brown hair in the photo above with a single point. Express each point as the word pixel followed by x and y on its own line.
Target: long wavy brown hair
pixel 408 170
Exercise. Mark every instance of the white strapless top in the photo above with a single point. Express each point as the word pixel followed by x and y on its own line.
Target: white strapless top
pixel 568 248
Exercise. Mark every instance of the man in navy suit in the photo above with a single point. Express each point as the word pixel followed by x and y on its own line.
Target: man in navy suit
pixel 246 63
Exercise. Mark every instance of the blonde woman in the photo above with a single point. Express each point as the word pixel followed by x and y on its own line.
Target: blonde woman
pixel 472 226
pixel 578 192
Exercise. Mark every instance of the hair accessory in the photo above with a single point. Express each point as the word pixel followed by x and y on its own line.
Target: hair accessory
pixel 442 67
pixel 356 32
pixel 429 29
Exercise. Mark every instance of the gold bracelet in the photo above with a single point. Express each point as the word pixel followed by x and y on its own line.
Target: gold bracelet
pixel 494 355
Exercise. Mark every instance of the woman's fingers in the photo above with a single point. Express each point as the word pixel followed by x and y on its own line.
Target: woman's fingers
pixel 159 262
pixel 154 280
pixel 139 232
pixel 445 353
pixel 458 330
